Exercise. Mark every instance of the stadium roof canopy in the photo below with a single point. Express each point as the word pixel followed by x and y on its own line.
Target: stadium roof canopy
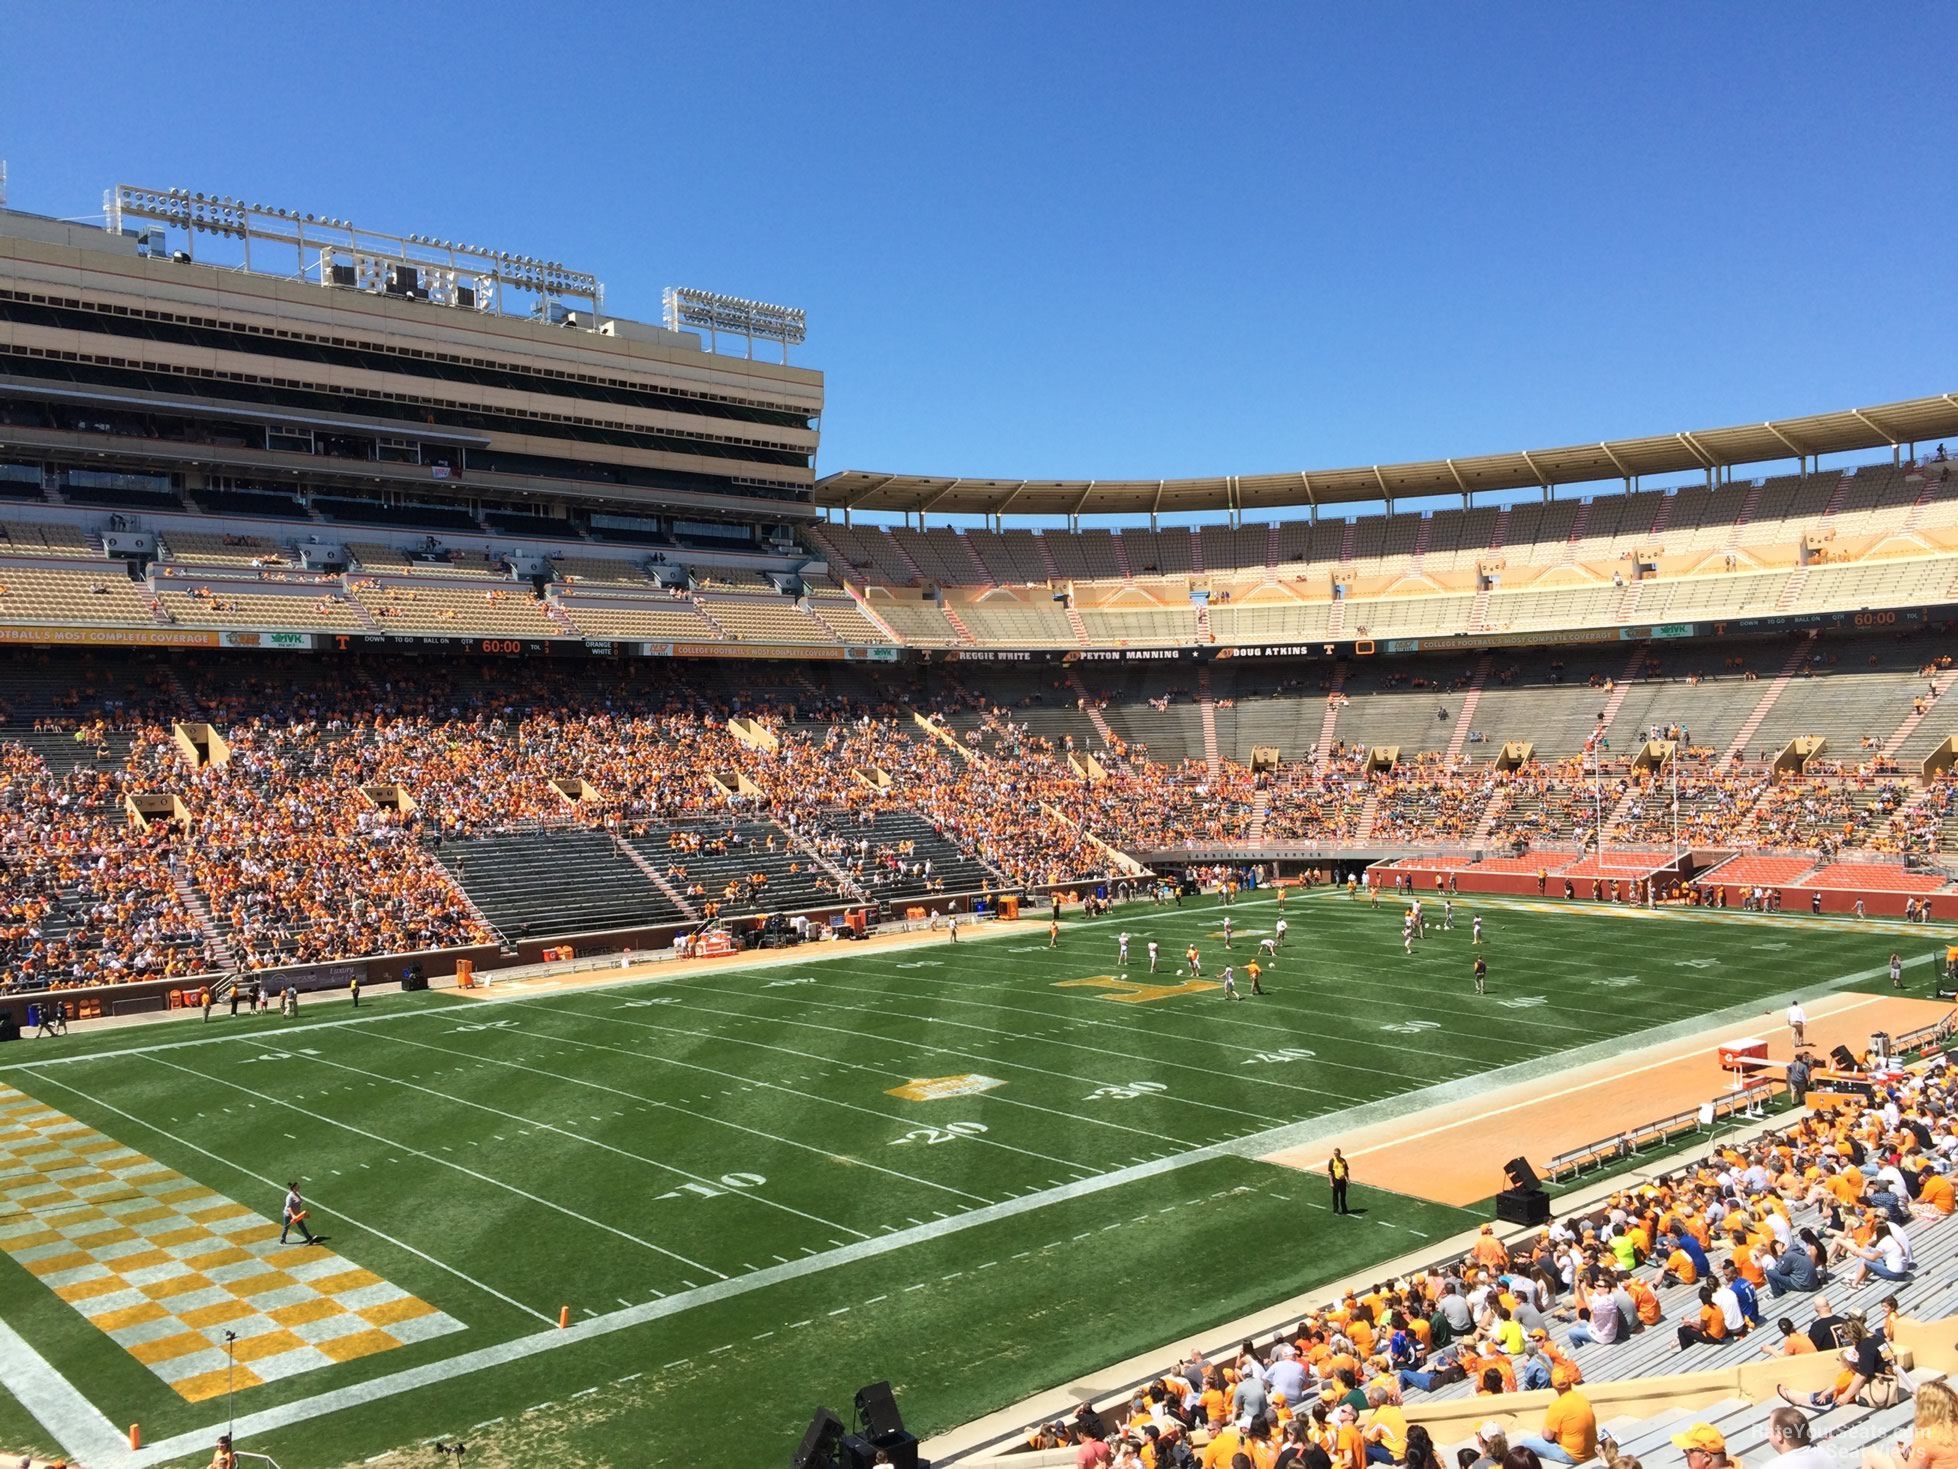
pixel 1919 420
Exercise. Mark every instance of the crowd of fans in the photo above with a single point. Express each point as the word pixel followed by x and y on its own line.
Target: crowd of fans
pixel 296 864
pixel 1755 1240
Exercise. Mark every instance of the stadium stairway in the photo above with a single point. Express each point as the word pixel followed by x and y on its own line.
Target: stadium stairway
pixel 1466 714
pixel 1089 707
pixel 958 624
pixel 1791 665
pixel 1208 705
pixel 1623 687
pixel 733 852
pixel 1322 751
pixel 1942 684
pixel 220 938
pixel 655 877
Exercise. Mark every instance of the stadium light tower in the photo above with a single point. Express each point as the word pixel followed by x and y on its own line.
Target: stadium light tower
pixel 707 311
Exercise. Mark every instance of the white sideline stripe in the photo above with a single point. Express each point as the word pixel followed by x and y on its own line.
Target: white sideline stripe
pixel 77 1424
pixel 410 1379
pixel 1573 1089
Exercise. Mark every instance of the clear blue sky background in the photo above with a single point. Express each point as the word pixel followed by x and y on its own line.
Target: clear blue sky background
pixel 1085 240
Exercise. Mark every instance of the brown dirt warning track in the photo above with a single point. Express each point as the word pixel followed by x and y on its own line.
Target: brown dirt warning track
pixel 1455 1155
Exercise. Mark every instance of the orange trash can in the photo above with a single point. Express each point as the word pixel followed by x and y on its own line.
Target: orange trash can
pixel 1009 906
pixel 466 974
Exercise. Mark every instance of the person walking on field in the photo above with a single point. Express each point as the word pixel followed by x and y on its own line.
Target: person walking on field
pixel 1798 1022
pixel 1338 1171
pixel 208 1000
pixel 293 1215
pixel 1053 933
pixel 1481 973
pixel 1896 972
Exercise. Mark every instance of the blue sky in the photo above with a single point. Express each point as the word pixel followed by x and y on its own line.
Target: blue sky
pixel 1110 241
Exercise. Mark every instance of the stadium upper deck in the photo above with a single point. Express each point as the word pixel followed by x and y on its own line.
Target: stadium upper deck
pixel 379 373
pixel 369 446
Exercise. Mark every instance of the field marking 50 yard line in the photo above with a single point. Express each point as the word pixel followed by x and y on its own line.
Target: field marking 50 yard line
pixel 993 1099
pixel 881 1074
pixel 993 1031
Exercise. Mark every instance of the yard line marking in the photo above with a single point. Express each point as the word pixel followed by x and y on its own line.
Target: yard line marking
pixel 794 1324
pixel 1015 1035
pixel 588 1142
pixel 840 1311
pixel 477 1427
pixel 875 1299
pixel 680 1363
pixel 1182 1036
pixel 993 1099
pixel 761 1336
pixel 276 1186
pixel 460 1168
pixel 629 1377
pixel 721 1121
pixel 583 1392
pixel 718 1350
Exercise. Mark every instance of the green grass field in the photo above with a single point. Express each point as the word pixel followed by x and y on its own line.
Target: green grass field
pixel 714 1174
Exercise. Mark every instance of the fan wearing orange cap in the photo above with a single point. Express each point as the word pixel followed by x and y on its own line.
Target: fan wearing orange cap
pixel 1570 1427
pixel 1704 1445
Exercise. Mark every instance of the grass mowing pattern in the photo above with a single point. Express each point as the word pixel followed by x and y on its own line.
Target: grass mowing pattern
pixel 606 1149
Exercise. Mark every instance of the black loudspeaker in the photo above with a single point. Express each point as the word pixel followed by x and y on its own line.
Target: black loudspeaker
pixel 1520 1173
pixel 1523 1206
pixel 877 1413
pixel 1842 1058
pixel 901 1448
pixel 819 1444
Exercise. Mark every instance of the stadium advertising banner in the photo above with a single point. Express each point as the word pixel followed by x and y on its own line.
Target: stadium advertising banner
pixel 815 651
pixel 267 640
pixel 1062 655
pixel 112 637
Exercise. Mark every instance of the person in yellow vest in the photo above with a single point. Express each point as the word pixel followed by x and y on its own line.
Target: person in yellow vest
pixel 353 988
pixel 1338 1173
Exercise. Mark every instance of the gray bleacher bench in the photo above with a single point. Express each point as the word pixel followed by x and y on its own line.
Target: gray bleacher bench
pixel 1658 1133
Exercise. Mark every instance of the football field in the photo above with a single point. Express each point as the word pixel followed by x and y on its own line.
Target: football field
pixel 975 1169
